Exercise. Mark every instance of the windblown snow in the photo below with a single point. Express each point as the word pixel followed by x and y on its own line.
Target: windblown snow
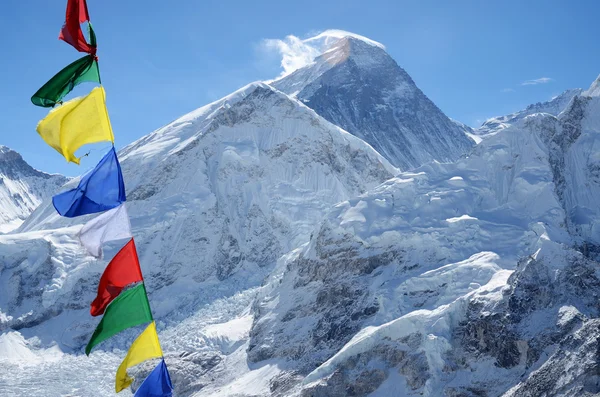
pixel 286 255
pixel 332 35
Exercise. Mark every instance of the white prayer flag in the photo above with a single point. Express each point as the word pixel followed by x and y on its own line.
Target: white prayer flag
pixel 111 225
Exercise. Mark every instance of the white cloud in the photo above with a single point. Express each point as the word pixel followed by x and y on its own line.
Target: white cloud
pixel 541 80
pixel 296 53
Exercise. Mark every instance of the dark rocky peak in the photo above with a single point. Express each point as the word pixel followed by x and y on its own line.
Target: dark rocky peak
pixel 356 85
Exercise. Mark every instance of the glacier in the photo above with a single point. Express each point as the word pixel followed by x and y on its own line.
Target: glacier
pixel 472 278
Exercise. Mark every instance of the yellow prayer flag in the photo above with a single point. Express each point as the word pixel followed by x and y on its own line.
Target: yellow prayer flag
pixel 145 347
pixel 77 122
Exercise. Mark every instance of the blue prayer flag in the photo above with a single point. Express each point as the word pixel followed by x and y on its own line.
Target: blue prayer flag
pixel 157 384
pixel 99 190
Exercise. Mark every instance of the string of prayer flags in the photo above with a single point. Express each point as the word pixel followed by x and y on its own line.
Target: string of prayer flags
pixel 121 297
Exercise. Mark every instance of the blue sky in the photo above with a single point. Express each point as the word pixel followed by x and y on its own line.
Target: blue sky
pixel 161 59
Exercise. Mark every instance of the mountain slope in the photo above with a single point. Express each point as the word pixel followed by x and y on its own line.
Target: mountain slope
pixel 476 278
pixel 356 85
pixel 22 188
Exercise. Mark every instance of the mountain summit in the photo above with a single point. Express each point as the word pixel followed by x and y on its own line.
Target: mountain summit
pixel 356 85
pixel 22 188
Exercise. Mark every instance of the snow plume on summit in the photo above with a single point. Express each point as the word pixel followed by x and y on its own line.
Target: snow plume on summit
pixel 358 86
pixel 297 53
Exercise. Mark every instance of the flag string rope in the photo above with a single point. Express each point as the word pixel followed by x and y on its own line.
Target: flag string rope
pixel 122 299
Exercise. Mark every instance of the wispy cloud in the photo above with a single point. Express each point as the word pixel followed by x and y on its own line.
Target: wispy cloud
pixel 295 53
pixel 508 90
pixel 541 80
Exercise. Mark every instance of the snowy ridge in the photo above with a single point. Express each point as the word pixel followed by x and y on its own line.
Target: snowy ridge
pixel 22 188
pixel 554 107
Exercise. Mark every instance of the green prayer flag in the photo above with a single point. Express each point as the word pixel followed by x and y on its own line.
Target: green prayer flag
pixel 92 35
pixel 129 309
pixel 82 70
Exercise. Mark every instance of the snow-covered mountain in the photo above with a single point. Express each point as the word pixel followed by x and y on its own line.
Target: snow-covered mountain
pixel 286 257
pixel 22 188
pixel 553 107
pixel 476 278
pixel 215 198
pixel 356 85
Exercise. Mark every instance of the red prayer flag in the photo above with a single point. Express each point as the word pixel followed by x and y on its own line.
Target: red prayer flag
pixel 71 32
pixel 123 270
